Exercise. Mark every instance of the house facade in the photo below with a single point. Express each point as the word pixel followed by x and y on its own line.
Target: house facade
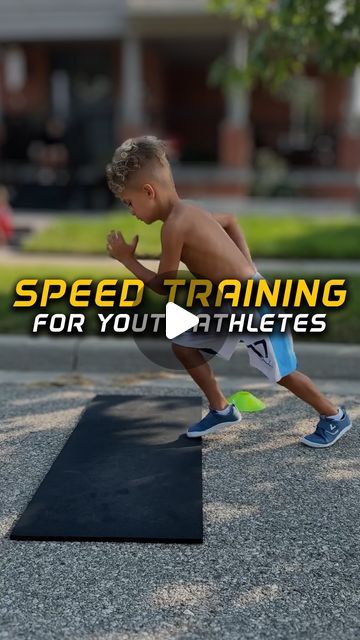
pixel 77 78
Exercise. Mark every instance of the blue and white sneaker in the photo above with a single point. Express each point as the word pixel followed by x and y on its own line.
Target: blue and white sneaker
pixel 328 431
pixel 213 422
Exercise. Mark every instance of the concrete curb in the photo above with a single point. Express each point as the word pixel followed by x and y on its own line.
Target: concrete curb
pixel 121 355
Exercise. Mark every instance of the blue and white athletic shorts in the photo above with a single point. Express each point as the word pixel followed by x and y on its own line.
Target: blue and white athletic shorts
pixel 271 353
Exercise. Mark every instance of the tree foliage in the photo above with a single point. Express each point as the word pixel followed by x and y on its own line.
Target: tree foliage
pixel 286 35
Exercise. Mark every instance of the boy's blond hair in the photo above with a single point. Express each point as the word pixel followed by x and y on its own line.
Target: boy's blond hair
pixel 130 157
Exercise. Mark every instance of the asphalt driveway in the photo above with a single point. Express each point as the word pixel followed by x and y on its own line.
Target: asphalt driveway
pixel 281 552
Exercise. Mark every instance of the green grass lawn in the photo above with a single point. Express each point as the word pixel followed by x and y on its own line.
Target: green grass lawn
pixel 267 236
pixel 342 325
pixel 78 234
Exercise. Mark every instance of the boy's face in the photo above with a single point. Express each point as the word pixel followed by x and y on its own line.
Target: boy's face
pixel 141 203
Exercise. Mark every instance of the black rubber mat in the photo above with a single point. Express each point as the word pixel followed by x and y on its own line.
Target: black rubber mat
pixel 127 473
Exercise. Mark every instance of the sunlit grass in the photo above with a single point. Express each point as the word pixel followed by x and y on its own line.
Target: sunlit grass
pixel 267 236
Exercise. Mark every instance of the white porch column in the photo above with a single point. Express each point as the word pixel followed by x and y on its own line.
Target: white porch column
pixel 132 88
pixel 353 107
pixel 237 102
pixel 349 143
pixel 235 140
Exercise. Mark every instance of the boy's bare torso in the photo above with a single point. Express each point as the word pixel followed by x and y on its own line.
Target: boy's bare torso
pixel 206 249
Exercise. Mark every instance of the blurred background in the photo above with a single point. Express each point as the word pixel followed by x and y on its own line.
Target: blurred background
pixel 78 77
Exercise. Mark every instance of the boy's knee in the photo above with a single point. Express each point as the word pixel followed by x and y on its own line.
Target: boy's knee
pixel 284 381
pixel 180 351
pixel 188 356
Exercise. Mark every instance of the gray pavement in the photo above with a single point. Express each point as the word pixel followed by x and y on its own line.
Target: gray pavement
pixel 120 356
pixel 320 207
pixel 280 559
pixel 264 265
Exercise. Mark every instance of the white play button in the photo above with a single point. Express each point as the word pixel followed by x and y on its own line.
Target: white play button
pixel 178 320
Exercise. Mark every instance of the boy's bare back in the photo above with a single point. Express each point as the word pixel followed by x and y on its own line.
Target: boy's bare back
pixel 196 237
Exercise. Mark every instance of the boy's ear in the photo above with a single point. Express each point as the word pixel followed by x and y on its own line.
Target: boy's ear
pixel 149 190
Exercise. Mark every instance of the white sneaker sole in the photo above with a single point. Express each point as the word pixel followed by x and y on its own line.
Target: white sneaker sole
pixel 323 446
pixel 214 429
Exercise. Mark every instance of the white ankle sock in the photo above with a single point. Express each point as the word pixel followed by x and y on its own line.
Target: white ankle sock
pixel 223 412
pixel 338 415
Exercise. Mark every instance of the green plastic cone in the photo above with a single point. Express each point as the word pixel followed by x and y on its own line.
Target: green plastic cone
pixel 246 401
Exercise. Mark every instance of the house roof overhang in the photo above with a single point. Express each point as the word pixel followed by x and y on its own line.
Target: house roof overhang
pixel 44 20
pixel 166 18
pixel 50 20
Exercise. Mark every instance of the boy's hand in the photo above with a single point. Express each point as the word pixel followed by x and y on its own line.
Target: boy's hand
pixel 117 247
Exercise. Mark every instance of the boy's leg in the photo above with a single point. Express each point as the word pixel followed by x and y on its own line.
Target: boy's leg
pixel 201 372
pixel 333 423
pixel 221 413
pixel 301 386
pixel 273 355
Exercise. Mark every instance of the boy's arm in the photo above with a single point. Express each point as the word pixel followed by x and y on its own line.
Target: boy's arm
pixel 125 253
pixel 169 262
pixel 171 248
pixel 232 228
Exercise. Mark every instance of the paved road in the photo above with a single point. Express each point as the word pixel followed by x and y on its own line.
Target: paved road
pixel 281 553
pixel 121 355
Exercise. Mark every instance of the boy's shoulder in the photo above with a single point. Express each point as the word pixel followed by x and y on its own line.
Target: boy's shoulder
pixel 184 215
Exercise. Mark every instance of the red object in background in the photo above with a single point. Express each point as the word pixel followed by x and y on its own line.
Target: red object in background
pixel 6 225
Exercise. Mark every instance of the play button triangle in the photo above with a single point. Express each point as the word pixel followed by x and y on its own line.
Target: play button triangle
pixel 178 320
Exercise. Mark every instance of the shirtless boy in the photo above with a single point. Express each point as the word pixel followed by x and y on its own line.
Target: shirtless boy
pixel 214 247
